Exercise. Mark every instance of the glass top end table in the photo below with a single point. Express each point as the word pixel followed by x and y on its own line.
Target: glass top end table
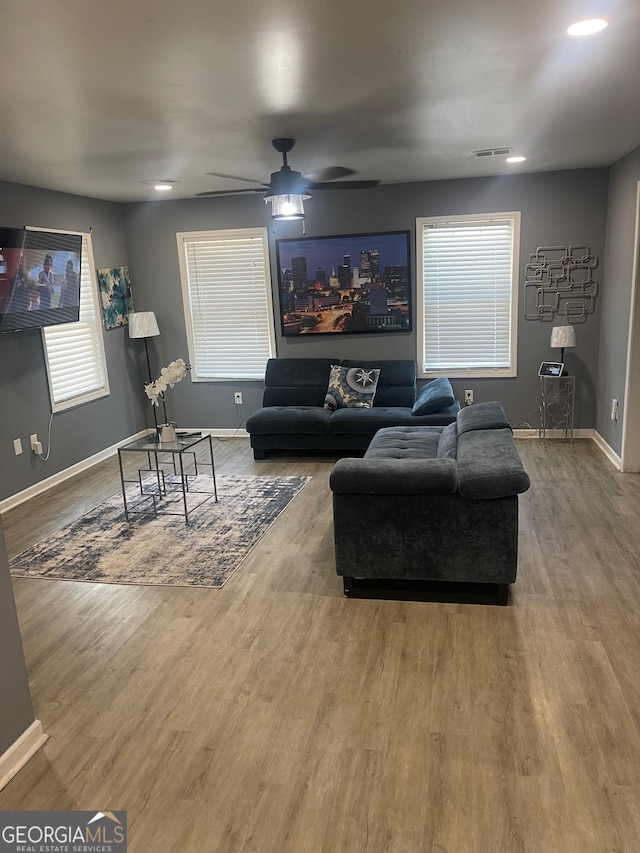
pixel 178 491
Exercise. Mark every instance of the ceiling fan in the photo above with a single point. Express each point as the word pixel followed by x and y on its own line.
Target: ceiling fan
pixel 288 189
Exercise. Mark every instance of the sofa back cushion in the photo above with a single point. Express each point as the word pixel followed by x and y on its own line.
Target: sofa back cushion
pixel 448 443
pixel 434 396
pixel 396 383
pixel 304 381
pixel 481 416
pixel 296 381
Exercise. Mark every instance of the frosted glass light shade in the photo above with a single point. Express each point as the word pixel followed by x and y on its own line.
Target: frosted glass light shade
pixel 288 206
pixel 143 324
pixel 563 336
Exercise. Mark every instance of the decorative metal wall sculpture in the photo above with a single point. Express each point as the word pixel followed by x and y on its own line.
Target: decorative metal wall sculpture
pixel 559 282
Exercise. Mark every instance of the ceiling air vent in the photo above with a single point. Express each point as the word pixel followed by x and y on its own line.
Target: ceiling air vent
pixel 492 152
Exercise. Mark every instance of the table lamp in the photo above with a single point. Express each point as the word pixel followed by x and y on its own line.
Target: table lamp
pixel 563 337
pixel 143 324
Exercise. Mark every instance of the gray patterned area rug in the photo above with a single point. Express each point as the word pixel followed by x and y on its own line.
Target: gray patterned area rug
pixel 103 547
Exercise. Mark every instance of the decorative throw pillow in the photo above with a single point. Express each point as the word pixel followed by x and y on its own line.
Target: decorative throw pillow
pixel 433 397
pixel 351 388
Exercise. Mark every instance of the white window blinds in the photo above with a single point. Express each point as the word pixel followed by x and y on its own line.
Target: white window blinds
pixel 74 352
pixel 226 288
pixel 467 294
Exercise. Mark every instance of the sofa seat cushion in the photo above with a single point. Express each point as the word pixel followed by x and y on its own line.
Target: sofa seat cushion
pixel 308 420
pixel 405 443
pixel 369 421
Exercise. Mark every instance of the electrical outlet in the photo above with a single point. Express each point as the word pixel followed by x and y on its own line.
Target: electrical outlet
pixel 238 398
pixel 17 446
pixel 614 410
pixel 468 397
pixel 34 440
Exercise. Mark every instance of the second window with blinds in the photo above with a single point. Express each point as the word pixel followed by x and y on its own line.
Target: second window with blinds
pixel 74 352
pixel 226 288
pixel 467 294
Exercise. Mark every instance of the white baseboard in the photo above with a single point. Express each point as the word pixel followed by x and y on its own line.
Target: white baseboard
pixel 552 433
pixel 602 445
pixel 608 451
pixel 61 476
pixel 21 751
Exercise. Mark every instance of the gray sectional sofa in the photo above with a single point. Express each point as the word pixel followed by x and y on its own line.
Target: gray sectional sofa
pixel 431 513
pixel 293 416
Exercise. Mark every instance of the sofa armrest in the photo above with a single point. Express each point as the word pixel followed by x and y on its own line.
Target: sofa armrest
pixel 395 476
pixel 489 465
pixel 483 416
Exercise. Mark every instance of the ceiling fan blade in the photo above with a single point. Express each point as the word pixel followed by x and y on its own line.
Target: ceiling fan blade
pixel 236 178
pixel 248 191
pixel 331 173
pixel 344 185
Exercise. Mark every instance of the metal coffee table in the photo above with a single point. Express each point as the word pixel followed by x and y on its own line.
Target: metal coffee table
pixel 171 482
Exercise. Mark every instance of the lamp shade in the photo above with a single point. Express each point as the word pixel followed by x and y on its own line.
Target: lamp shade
pixel 563 336
pixel 143 324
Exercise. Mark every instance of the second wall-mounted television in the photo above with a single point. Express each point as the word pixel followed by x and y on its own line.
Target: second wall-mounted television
pixel 39 278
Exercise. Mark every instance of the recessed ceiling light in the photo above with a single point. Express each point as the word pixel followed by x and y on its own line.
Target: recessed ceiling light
pixel 587 27
pixel 161 184
pixel 517 159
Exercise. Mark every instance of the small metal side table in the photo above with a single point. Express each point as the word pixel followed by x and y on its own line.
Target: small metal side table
pixel 557 404
pixel 179 489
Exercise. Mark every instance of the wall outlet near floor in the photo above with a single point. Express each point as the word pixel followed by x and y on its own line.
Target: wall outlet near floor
pixel 238 398
pixel 34 441
pixel 614 410
pixel 17 446
pixel 468 397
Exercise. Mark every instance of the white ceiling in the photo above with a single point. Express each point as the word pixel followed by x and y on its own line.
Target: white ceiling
pixel 98 97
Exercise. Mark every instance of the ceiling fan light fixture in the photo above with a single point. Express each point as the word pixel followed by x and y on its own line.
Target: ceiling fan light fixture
pixel 287 207
pixel 287 193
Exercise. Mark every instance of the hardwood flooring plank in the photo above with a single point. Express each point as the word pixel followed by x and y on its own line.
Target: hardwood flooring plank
pixel 273 714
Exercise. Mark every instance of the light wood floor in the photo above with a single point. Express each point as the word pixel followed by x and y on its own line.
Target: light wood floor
pixel 275 716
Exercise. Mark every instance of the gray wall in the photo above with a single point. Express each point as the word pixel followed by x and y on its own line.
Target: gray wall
pixel 560 208
pixel 16 711
pixel 621 217
pixel 557 208
pixel 24 395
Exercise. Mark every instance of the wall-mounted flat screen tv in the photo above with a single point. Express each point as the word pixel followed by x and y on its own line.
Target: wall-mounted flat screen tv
pixel 39 278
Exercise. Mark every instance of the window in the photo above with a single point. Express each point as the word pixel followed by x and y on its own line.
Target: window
pixel 226 288
pixel 74 352
pixel 467 294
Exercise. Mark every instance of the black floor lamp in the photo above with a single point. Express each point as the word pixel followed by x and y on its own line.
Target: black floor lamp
pixel 143 324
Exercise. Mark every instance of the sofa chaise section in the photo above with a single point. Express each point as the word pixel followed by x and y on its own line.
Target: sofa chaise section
pixel 431 512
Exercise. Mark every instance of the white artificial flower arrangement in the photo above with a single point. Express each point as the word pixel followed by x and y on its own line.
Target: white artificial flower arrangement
pixel 169 376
